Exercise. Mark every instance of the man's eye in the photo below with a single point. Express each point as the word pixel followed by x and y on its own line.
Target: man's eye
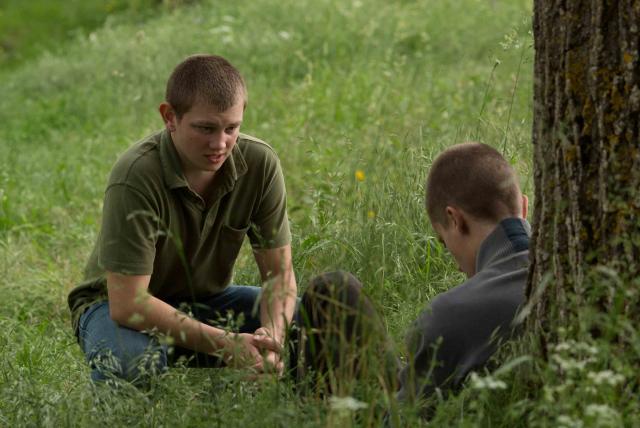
pixel 205 129
pixel 230 129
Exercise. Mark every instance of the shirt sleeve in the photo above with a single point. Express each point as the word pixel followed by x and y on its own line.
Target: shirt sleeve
pixel 432 359
pixel 130 228
pixel 270 224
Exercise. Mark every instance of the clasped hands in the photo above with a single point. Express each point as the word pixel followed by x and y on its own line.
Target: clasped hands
pixel 261 352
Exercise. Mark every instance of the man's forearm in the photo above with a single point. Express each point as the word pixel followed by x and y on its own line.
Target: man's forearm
pixel 151 313
pixel 278 299
pixel 278 303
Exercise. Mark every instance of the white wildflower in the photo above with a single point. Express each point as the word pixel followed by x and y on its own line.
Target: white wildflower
pixel 562 347
pixel 606 377
pixel 487 382
pixel 565 421
pixel 346 404
pixel 605 415
pixel 585 347
pixel 571 364
pixel 511 40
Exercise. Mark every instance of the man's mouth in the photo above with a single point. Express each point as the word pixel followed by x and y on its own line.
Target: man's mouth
pixel 215 158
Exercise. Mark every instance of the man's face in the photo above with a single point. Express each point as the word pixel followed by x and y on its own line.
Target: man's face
pixel 204 137
pixel 460 246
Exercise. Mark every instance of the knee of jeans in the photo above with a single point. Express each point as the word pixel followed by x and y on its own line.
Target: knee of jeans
pixel 152 362
pixel 136 363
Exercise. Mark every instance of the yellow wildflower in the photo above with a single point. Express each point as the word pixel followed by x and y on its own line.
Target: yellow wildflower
pixel 359 175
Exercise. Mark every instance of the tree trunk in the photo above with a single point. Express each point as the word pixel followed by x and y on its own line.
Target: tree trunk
pixel 586 240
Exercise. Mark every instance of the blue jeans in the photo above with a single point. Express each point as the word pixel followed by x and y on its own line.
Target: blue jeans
pixel 120 352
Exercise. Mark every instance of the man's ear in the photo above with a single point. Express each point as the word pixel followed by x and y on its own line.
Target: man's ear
pixel 168 116
pixel 457 219
pixel 525 206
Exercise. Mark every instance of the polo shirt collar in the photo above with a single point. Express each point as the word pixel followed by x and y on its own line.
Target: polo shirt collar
pixel 171 168
pixel 234 167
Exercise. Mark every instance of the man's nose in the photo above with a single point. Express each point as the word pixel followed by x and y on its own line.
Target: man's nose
pixel 217 140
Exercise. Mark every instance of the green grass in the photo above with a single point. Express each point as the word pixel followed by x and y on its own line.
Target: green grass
pixel 29 28
pixel 334 87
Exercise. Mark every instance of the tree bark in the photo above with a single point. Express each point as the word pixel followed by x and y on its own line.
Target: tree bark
pixel 586 240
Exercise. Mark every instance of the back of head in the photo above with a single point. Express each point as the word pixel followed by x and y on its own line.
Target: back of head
pixel 205 78
pixel 473 177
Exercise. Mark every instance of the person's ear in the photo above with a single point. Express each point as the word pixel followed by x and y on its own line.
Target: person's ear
pixel 525 206
pixel 168 116
pixel 457 219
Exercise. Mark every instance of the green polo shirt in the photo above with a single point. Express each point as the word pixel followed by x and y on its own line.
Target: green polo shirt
pixel 154 224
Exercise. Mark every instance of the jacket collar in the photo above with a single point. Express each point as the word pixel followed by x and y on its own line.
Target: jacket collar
pixel 510 236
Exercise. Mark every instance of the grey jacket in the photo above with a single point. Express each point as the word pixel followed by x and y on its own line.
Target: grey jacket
pixel 461 328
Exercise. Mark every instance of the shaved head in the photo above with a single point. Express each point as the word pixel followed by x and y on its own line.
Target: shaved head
pixel 473 177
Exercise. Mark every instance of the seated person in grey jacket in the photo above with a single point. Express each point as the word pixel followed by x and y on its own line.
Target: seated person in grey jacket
pixel 476 208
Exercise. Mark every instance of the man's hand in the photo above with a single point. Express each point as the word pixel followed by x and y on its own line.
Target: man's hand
pixel 241 352
pixel 271 350
pixel 132 306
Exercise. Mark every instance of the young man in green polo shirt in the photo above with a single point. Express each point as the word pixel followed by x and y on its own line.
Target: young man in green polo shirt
pixel 177 207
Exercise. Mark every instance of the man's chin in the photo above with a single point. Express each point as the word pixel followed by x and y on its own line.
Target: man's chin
pixel 212 167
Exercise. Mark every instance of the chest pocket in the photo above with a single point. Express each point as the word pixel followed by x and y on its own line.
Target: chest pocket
pixel 226 251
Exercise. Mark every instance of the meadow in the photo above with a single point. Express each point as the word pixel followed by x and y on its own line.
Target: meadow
pixel 357 97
